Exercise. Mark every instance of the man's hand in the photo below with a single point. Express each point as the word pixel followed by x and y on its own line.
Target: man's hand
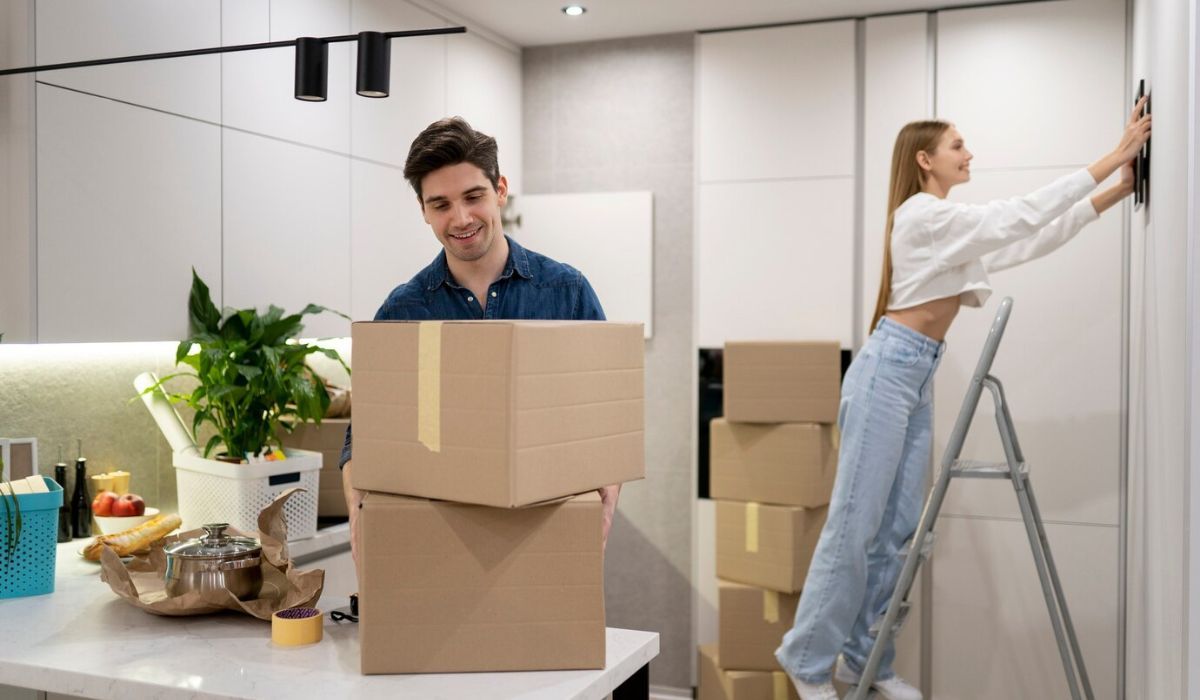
pixel 354 499
pixel 608 497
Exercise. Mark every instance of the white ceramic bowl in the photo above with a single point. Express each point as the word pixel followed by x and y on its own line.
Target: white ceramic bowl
pixel 109 524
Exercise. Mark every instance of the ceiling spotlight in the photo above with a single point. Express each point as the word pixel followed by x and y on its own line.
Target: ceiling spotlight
pixel 374 64
pixel 574 10
pixel 312 69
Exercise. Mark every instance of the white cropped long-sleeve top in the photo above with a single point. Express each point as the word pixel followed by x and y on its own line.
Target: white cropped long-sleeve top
pixel 942 249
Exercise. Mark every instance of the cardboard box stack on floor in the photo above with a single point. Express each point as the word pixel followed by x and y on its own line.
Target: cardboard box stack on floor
pixel 481 445
pixel 773 457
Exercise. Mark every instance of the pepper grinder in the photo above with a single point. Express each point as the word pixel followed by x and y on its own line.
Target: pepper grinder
pixel 81 501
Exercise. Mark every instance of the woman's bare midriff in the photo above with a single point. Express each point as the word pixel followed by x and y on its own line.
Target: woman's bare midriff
pixel 932 319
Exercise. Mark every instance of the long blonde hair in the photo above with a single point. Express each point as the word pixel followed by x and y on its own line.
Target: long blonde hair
pixel 907 178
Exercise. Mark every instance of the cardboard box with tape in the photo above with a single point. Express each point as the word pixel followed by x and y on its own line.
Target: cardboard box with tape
pixel 782 463
pixel 716 683
pixel 752 621
pixel 765 545
pixel 782 382
pixel 326 438
pixel 448 587
pixel 500 413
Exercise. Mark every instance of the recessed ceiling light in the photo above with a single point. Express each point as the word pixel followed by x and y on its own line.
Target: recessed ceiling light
pixel 574 10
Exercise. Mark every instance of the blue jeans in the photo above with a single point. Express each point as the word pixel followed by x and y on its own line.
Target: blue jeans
pixel 886 417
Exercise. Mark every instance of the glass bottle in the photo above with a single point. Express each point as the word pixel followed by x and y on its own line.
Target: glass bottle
pixel 81 501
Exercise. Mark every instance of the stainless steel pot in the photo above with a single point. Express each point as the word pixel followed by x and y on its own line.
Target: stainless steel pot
pixel 215 562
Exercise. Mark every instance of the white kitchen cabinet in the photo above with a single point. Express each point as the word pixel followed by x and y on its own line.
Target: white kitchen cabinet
pixel 258 88
pixel 483 86
pixel 75 31
pixel 1033 85
pixel 129 201
pixel 286 229
pixel 776 261
pixel 382 129
pixel 776 103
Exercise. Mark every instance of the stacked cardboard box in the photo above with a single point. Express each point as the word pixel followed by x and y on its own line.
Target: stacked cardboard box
pixel 326 438
pixel 481 445
pixel 773 457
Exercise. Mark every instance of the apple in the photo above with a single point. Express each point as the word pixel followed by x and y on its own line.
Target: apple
pixel 102 504
pixel 128 505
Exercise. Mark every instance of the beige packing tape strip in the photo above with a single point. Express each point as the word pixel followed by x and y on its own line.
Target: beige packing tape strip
pixel 429 385
pixel 781 685
pixel 752 527
pixel 770 606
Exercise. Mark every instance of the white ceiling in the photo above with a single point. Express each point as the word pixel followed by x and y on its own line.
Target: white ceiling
pixel 541 22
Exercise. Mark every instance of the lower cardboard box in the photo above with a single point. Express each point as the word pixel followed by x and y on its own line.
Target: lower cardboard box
pixel 717 683
pixel 766 545
pixel 452 587
pixel 326 438
pixel 751 624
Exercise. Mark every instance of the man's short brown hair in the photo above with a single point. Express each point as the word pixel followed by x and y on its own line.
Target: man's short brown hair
pixel 449 142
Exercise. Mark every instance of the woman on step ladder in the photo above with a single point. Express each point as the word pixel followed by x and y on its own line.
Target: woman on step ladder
pixel 937 255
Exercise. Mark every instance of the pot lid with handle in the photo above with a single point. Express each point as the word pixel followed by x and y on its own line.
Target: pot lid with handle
pixel 215 544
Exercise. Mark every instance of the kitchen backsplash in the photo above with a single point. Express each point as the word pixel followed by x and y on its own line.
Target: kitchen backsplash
pixel 63 393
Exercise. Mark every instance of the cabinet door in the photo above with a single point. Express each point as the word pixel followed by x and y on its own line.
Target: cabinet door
pixel 129 202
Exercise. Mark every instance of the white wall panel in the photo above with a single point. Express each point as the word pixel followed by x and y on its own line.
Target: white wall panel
pixel 390 242
pixel 75 31
pixel 245 21
pixel 126 207
pixel 258 87
pixel 1060 365
pixel 992 637
pixel 483 86
pixel 776 261
pixel 895 92
pixel 1034 84
pixel 383 129
pixel 610 239
pixel 776 103
pixel 287 221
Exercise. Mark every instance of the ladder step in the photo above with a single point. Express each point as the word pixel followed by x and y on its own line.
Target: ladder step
pixel 905 606
pixel 926 548
pixel 971 469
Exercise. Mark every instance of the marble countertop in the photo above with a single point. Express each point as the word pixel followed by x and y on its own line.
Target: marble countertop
pixel 84 640
pixel 328 540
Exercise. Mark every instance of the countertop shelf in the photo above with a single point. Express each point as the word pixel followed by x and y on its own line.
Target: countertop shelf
pixel 83 640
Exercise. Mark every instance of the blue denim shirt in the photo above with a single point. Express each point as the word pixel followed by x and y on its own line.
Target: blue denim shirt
pixel 532 286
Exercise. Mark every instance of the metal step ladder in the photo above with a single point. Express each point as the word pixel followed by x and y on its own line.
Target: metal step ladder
pixel 1013 469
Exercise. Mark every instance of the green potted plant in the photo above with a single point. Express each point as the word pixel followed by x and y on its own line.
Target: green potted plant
pixel 251 381
pixel 251 377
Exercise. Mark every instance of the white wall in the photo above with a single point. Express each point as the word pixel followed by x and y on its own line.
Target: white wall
pixel 1160 641
pixel 210 163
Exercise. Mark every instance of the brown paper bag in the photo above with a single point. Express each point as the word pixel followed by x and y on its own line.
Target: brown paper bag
pixel 141 582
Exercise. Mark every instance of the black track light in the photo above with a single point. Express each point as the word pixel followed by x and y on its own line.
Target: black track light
pixel 374 64
pixel 312 69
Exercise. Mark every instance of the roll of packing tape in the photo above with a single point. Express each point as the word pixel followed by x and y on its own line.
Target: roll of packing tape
pixel 296 626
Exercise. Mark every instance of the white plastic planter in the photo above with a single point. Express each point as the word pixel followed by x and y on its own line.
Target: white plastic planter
pixel 212 491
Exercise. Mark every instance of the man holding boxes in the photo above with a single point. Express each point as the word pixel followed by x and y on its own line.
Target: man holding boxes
pixel 481 273
pixel 475 435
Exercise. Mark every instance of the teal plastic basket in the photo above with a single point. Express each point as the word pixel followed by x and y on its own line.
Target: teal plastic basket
pixel 30 570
